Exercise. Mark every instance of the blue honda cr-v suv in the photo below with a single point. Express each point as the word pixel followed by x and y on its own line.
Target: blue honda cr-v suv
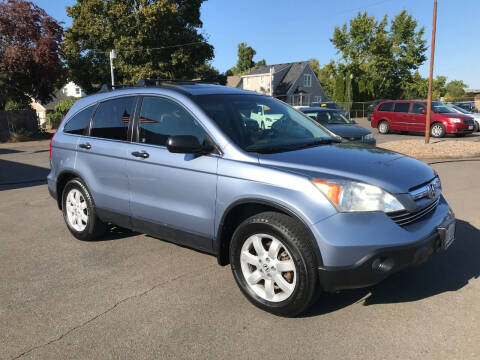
pixel 292 208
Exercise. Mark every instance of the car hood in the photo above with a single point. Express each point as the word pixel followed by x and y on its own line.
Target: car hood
pixel 347 130
pixel 460 116
pixel 391 171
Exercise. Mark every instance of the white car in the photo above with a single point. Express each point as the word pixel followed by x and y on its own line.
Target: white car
pixel 475 116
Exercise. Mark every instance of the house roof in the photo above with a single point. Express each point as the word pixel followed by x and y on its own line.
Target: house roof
pixel 57 97
pixel 294 69
pixel 234 81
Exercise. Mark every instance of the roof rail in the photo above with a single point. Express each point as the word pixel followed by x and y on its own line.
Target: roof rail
pixel 158 82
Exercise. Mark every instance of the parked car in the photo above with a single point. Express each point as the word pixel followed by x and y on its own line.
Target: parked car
pixel 293 209
pixel 467 105
pixel 372 107
pixel 331 105
pixel 410 116
pixel 262 114
pixel 475 116
pixel 337 123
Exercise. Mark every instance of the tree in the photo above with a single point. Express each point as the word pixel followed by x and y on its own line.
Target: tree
pixel 381 59
pixel 152 39
pixel 455 90
pixel 207 72
pixel 30 65
pixel 326 75
pixel 245 60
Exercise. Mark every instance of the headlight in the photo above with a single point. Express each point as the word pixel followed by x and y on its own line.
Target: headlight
pixel 368 137
pixel 454 120
pixel 350 196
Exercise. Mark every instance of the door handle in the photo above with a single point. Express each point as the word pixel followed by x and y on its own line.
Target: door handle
pixel 85 146
pixel 142 154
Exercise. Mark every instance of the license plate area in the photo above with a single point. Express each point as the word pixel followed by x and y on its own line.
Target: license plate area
pixel 470 127
pixel 447 234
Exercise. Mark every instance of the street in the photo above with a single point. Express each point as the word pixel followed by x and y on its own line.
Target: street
pixel 131 296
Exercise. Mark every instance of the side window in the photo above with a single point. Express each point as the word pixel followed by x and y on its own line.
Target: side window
pixel 386 106
pixel 161 118
pixel 402 107
pixel 112 118
pixel 79 122
pixel 313 115
pixel 417 108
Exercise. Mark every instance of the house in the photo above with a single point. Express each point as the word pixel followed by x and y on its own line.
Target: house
pixel 68 91
pixel 294 83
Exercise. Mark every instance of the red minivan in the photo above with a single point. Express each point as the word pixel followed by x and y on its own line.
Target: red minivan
pixel 403 115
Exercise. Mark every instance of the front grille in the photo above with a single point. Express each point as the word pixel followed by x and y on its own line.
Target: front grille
pixel 468 122
pixel 404 217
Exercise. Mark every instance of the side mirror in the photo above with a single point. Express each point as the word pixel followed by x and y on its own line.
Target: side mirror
pixel 423 111
pixel 184 144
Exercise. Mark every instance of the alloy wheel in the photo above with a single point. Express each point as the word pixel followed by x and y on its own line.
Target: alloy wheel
pixel 77 211
pixel 268 267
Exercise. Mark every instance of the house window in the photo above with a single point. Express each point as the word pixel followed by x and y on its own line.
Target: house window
pixel 307 80
pixel 262 80
pixel 301 100
pixel 247 81
pixel 77 91
pixel 318 99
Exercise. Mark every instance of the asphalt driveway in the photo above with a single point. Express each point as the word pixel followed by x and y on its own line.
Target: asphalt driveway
pixel 135 297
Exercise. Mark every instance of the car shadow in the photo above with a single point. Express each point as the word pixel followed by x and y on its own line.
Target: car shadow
pixel 15 175
pixel 445 271
pixel 9 151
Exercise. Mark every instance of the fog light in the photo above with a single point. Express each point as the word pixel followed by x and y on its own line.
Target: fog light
pixel 382 264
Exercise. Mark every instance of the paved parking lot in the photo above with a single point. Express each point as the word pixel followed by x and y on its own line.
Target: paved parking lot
pixel 397 135
pixel 133 296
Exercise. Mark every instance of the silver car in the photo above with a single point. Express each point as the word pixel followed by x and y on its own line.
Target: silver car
pixel 292 208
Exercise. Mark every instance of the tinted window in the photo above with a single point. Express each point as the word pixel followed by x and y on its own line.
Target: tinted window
pixel 112 118
pixel 161 118
pixel 79 122
pixel 386 107
pixel 417 108
pixel 402 107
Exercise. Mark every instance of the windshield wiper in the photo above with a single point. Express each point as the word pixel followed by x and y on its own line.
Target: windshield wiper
pixel 271 149
pixel 292 147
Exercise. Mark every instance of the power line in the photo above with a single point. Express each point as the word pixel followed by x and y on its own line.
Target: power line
pixel 361 7
pixel 147 49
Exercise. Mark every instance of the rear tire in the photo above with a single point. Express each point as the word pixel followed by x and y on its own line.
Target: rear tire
pixel 273 263
pixel 383 127
pixel 437 130
pixel 79 212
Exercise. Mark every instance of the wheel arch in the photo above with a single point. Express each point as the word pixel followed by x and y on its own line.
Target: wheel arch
pixel 239 211
pixel 62 180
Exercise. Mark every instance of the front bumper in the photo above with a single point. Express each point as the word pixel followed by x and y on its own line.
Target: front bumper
pixel 363 249
pixel 459 128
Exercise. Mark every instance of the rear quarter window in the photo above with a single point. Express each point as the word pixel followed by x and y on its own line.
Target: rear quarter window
pixel 112 118
pixel 79 122
pixel 386 107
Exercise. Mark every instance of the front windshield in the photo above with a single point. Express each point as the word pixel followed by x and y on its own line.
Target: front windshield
pixel 328 117
pixel 462 110
pixel 262 124
pixel 440 108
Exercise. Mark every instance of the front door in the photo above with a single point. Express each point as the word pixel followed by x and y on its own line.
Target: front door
pixel 418 117
pixel 172 195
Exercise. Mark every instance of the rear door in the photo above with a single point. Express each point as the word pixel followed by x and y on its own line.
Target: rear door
pixel 172 195
pixel 101 158
pixel 417 115
pixel 401 120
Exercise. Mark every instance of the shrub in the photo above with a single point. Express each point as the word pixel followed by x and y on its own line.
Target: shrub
pixel 63 106
pixel 54 119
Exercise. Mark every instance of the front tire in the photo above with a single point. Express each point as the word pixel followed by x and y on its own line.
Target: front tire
pixel 79 212
pixel 383 127
pixel 273 263
pixel 437 130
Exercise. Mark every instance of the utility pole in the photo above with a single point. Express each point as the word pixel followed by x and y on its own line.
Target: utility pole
pixel 113 55
pixel 430 78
